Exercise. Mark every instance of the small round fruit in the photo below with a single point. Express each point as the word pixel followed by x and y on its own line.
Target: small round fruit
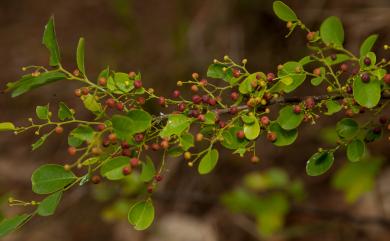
pixel 176 94
pixel 240 134
pixel 271 136
pixel 234 96
pixel 72 150
pixel 297 109
pixel 194 88
pixel 344 67
pixel 158 178
pixel 77 92
pixel 112 137
pixel 96 179
pixel 126 171
pixel 102 81
pixel 199 137
pixel 134 162
pixel 110 102
pixel 236 73
pixel 161 100
pixel 139 137
pixel 164 144
pixel 264 120
pixel 196 99
pixel 317 71
pixel 367 61
pixel 187 155
pixel 137 84
pixel 255 159
pixel 365 77
pixel 85 91
pixel 120 106
pixel 386 79
pixel 310 36
pixel 310 102
pixel 59 130
pixel 100 127
pixel 155 147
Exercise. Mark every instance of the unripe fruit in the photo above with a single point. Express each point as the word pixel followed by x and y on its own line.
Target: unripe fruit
pixel 196 99
pixel 76 72
pixel 367 61
pixel 110 102
pixel 297 109
pixel 187 155
pixel 141 100
pixel 137 84
pixel 201 117
pixel 236 73
pixel 203 82
pixel 365 77
pixel 349 113
pixel 100 127
pixel 102 81
pixel 317 71
pixel 85 91
pixel 289 24
pixel 158 178
pixel 329 89
pixel 195 76
pixel 310 36
pixel 59 130
pixel 132 75
pixel 234 96
pixel 271 136
pixel 310 102
pixel 139 137
pixel 386 79
pixel 112 137
pixel 199 137
pixel 344 67
pixel 96 151
pixel 179 83
pixel 155 147
pixel 164 144
pixel 72 151
pixel 96 179
pixel 255 159
pixel 264 120
pixel 134 162
pixel 240 134
pixel 77 92
pixel 161 100
pixel 126 171
pixel 175 93
pixel 67 167
pixel 119 106
pixel 194 88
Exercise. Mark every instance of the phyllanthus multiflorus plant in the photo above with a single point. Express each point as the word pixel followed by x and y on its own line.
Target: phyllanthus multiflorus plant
pixel 231 113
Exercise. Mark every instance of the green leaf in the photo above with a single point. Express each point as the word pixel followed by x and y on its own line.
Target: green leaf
pixel 123 82
pixel 64 112
pixel 50 178
pixel 289 70
pixel 50 41
pixel 49 205
pixel 148 170
pixel 284 12
pixel 80 134
pixel 288 119
pixel 91 104
pixel 141 214
pixel 216 71
pixel 230 139
pixel 245 86
pixel 9 225
pixel 332 107
pixel 209 118
pixel 355 150
pixel 42 112
pixel 208 162
pixel 367 94
pixel 347 128
pixel 186 141
pixel 368 44
pixel 371 56
pixel 80 55
pixel 284 137
pixel 176 124
pixel 29 82
pixel 136 121
pixel 332 32
pixel 339 59
pixel 248 119
pixel 40 141
pixel 319 163
pixel 7 126
pixel 112 169
pixel 317 80
pixel 252 131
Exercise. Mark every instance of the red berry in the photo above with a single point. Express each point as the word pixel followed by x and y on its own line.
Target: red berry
pixel 126 152
pixel 150 189
pixel 194 88
pixel 365 77
pixel 212 102
pixel 271 136
pixel 222 124
pixel 158 178
pixel 100 127
pixel 317 71
pixel 164 144
pixel 161 100
pixel 155 147
pixel 386 78
pixel 84 90
pixel 141 100
pixel 176 94
pixel 112 137
pixel 125 145
pixel 234 96
pixel 102 81
pixel 240 134
pixel 255 159
pixel 236 73
pixel 310 36
pixel 137 84
pixel 344 67
pixel 106 142
pixel 132 74
pixel 72 151
pixel 233 110
pixel 201 117
pixel 367 61
pixel 77 92
pixel 196 99
pixel 310 102
pixel 181 107
pixel 139 137
pixel 203 82
pixel 264 120
pixel 110 102
pixel 383 120
pixel 119 106
pixel 59 130
pixel 126 171
pixel 270 77
pixel 205 99
pixel 96 179
pixel 349 112
pixel 297 109
pixel 134 162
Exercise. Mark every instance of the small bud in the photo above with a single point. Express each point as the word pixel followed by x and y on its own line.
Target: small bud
pixel 179 83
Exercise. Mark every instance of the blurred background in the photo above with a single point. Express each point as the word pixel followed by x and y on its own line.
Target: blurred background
pixel 167 41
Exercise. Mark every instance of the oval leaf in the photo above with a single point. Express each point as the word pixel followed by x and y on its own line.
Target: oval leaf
pixel 141 214
pixel 50 178
pixel 347 128
pixel 332 31
pixel 49 205
pixel 319 163
pixel 355 150
pixel 50 41
pixel 7 126
pixel 112 169
pixel 9 225
pixel 368 44
pixel 208 162
pixel 367 94
pixel 80 55
pixel 284 12
pixel 148 170
pixel 288 119
pixel 283 137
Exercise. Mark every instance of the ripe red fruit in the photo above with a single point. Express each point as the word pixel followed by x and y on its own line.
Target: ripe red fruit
pixel 134 162
pixel 270 77
pixel 137 84
pixel 164 144
pixel 271 136
pixel 132 74
pixel 194 88
pixel 155 147
pixel 234 96
pixel 317 71
pixel 119 106
pixel 377 130
pixel 106 142
pixel 367 61
pixel 126 152
pixel 181 107
pixel 222 124
pixel 96 179
pixel 383 120
pixel 255 159
pixel 112 137
pixel 297 109
pixel 349 112
pixel 386 79
pixel 59 130
pixel 150 189
pixel 100 127
pixel 344 67
pixel 72 151
pixel 240 134
pixel 349 89
pixel 84 90
pixel 139 137
pixel 126 171
pixel 161 100
pixel 196 99
pixel 77 92
pixel 310 102
pixel 365 77
pixel 236 73
pixel 158 178
pixel 212 102
pixel 110 102
pixel 264 120
pixel 310 36
pixel 233 110
pixel 141 100
pixel 203 82
pixel 102 81
pixel 175 93
pixel 125 145
pixel 201 117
